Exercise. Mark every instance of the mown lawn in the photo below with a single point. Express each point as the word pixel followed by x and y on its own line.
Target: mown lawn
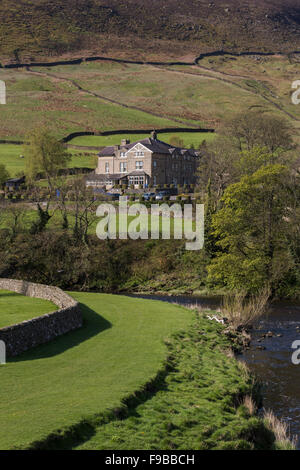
pixel 15 308
pixel 86 372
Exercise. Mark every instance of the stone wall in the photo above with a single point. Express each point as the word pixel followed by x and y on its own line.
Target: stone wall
pixel 28 334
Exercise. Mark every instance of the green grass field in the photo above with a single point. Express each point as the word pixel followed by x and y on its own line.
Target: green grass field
pixel 10 157
pixel 15 308
pixel 86 372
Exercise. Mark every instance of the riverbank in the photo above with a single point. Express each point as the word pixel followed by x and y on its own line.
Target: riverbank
pixel 268 356
pixel 203 400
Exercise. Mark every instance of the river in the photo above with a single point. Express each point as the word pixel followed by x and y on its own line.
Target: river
pixel 269 358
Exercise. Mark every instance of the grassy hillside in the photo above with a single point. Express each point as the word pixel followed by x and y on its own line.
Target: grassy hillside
pixel 15 308
pixel 43 29
pixel 103 96
pixel 86 372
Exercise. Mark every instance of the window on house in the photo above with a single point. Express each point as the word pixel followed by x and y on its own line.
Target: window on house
pixel 136 180
pixel 123 154
pixel 139 165
pixel 154 164
pixel 139 153
pixel 123 167
pixel 106 167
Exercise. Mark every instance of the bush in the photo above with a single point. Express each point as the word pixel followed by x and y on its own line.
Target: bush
pixel 241 310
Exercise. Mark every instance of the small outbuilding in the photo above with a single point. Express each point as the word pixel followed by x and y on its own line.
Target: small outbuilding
pixel 13 184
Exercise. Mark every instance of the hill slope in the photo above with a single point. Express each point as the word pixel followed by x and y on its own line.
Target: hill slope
pixel 39 28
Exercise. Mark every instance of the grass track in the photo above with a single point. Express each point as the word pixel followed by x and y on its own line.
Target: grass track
pixel 88 371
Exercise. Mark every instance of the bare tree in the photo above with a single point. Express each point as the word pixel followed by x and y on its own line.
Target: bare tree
pixel 84 209
pixel 260 129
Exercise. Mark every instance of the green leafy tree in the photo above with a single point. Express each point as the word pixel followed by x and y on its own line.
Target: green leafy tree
pixel 44 154
pixel 4 175
pixel 252 228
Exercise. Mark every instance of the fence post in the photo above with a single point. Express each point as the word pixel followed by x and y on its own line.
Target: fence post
pixel 2 92
pixel 2 352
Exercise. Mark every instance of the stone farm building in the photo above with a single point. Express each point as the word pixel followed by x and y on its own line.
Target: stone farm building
pixel 148 162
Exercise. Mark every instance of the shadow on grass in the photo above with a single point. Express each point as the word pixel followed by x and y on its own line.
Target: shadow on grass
pixel 71 437
pixel 10 294
pixel 93 324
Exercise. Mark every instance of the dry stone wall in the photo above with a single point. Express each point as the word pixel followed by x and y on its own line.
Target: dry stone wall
pixel 28 334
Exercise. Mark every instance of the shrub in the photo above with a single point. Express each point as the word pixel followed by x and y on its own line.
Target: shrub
pixel 241 310
pixel 280 430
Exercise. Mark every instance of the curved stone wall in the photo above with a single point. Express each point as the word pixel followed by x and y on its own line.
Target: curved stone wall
pixel 28 334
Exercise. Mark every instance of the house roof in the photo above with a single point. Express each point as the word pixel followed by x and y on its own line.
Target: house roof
pixel 15 180
pixel 154 145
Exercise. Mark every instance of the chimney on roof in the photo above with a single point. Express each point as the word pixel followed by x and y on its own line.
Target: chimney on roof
pixel 125 142
pixel 154 135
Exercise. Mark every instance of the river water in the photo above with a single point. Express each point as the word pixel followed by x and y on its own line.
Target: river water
pixel 269 358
